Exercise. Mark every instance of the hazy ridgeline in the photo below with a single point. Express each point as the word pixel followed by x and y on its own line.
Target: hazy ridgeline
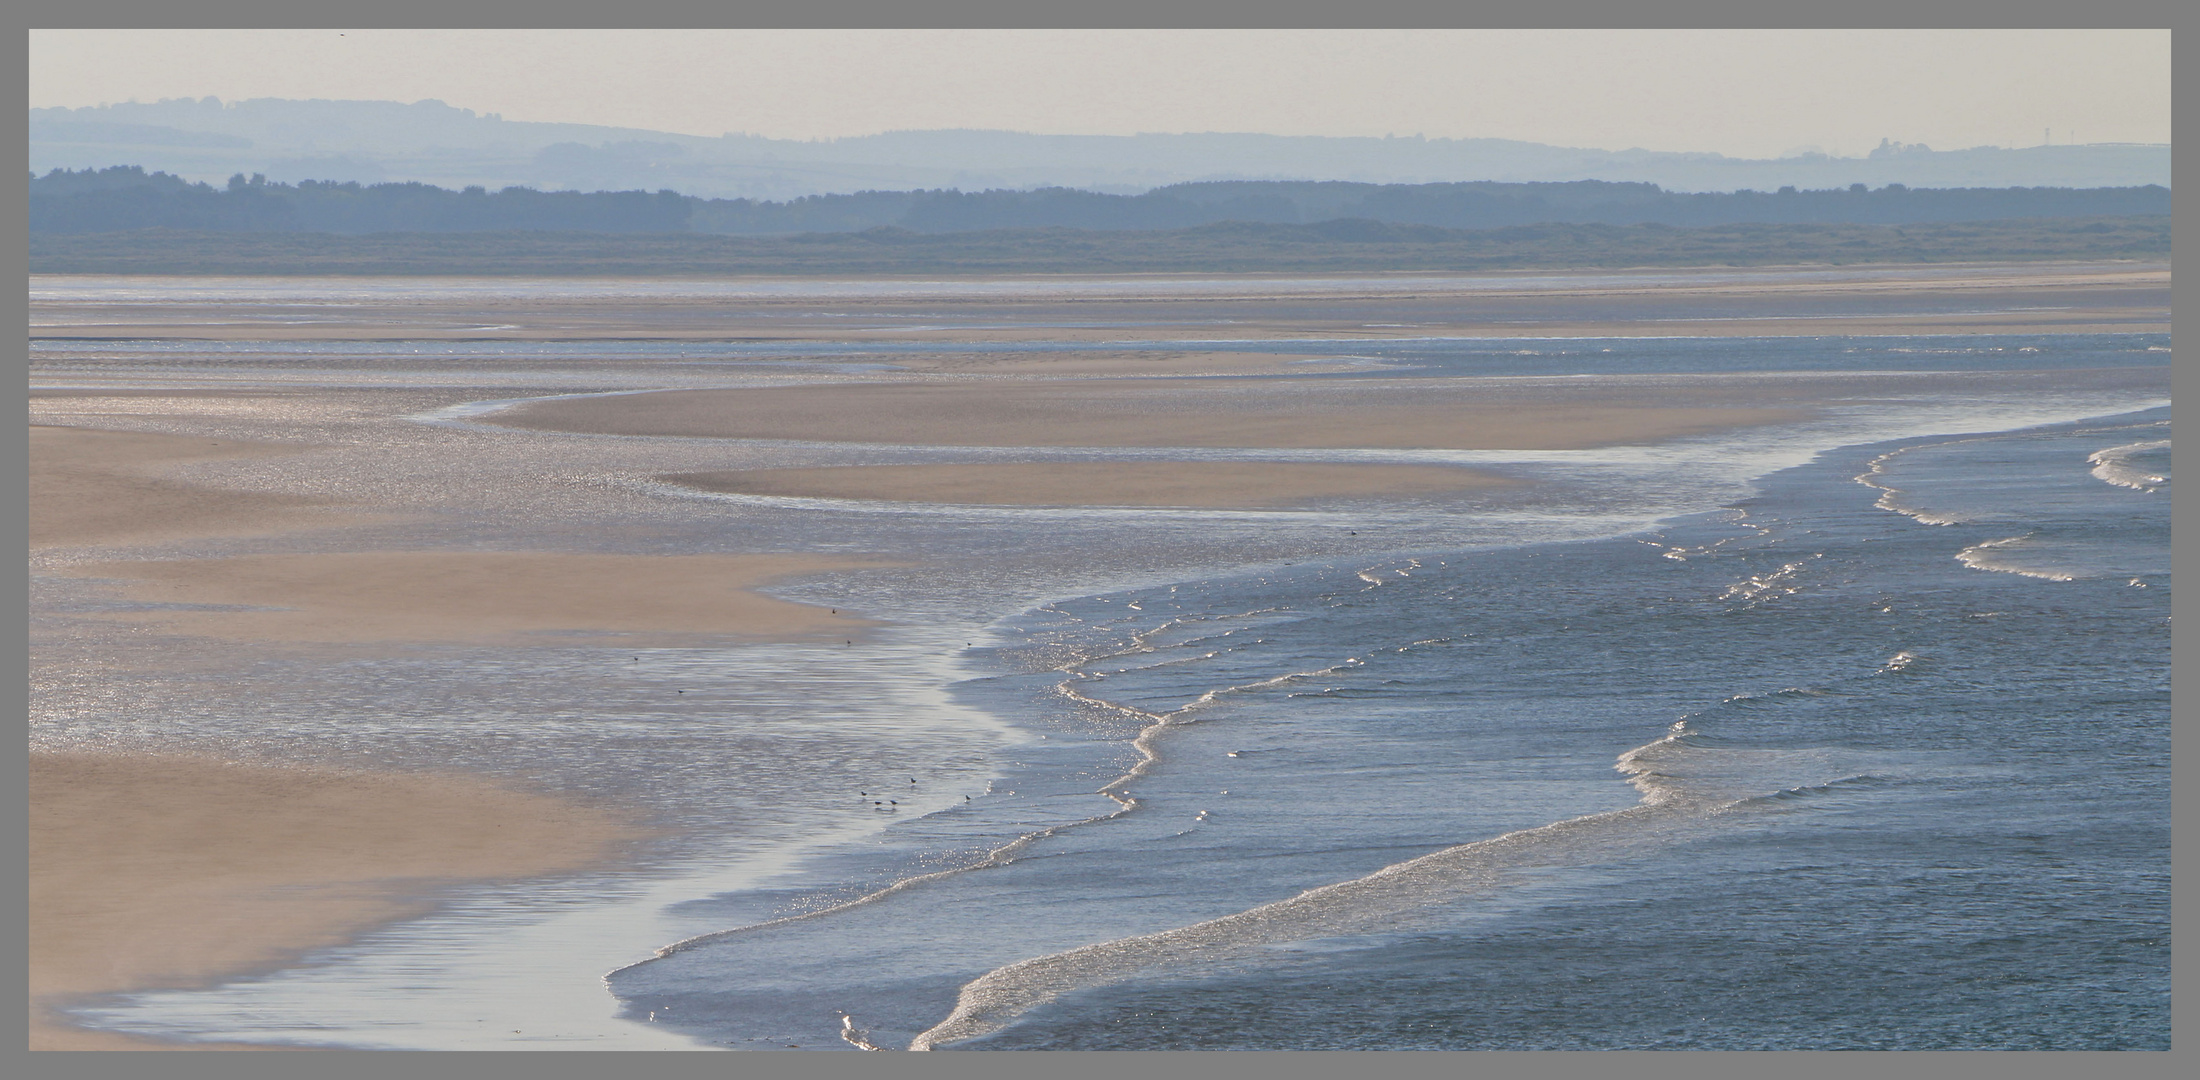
pixel 435 143
pixel 127 197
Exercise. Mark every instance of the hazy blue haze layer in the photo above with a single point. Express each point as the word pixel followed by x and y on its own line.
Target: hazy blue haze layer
pixel 435 143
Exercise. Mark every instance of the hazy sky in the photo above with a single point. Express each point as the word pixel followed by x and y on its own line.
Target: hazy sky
pixel 1744 93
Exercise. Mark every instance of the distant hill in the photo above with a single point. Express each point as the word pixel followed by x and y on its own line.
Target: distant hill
pixel 128 197
pixel 433 143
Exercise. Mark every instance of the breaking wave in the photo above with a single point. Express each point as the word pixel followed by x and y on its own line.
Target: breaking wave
pixel 2117 465
pixel 1683 784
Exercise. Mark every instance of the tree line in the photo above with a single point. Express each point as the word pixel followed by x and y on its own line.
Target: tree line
pixel 124 198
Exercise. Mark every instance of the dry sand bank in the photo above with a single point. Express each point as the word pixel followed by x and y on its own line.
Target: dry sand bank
pixel 2009 298
pixel 1140 412
pixel 151 871
pixel 90 487
pixel 1235 484
pixel 477 596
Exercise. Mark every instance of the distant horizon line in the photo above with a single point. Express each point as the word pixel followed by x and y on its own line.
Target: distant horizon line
pixel 827 139
pixel 259 179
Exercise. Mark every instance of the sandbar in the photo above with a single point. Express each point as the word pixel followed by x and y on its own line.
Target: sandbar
pixel 94 488
pixel 1225 484
pixel 1189 412
pixel 475 596
pixel 157 871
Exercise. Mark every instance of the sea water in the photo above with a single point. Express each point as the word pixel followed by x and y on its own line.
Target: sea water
pixel 1898 802
pixel 1852 733
pixel 1793 774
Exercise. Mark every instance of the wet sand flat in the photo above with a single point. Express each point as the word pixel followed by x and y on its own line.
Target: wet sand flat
pixel 469 596
pixel 157 871
pixel 1718 301
pixel 1247 484
pixel 94 487
pixel 1138 412
pixel 2047 315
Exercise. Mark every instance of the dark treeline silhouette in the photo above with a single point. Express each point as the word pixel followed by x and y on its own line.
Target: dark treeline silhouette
pixel 1450 206
pixel 127 197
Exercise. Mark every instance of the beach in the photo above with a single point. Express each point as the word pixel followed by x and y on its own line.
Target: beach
pixel 353 599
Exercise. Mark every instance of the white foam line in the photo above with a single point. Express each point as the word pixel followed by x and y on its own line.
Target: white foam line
pixel 991 1001
pixel 2112 466
pixel 1980 557
pixel 1007 853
